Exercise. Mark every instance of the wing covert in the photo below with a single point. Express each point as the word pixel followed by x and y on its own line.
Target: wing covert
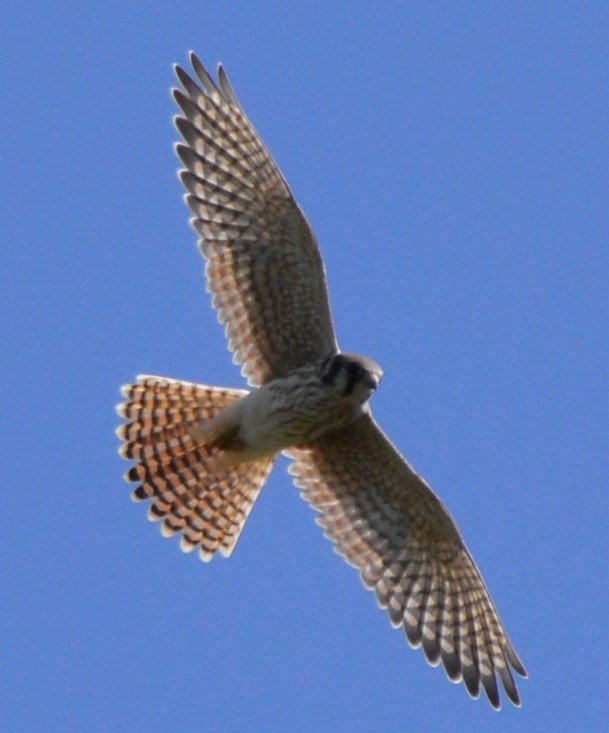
pixel 264 269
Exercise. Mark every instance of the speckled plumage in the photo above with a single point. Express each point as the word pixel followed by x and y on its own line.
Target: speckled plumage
pixel 203 453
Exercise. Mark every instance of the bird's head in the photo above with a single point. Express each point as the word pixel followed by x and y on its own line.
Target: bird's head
pixel 353 375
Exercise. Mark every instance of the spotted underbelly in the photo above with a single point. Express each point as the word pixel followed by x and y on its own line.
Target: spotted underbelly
pixel 287 426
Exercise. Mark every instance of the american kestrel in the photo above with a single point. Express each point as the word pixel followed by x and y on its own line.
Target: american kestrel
pixel 203 453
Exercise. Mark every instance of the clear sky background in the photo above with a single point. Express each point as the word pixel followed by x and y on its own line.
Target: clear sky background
pixel 453 160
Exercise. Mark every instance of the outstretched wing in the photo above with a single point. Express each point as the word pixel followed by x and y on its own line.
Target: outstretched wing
pixel 387 522
pixel 264 269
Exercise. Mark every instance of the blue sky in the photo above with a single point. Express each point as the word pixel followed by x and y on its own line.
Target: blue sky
pixel 453 160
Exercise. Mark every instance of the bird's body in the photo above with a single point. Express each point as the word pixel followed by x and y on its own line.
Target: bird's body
pixel 203 453
pixel 293 410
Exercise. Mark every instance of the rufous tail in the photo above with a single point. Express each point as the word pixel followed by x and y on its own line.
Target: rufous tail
pixel 192 491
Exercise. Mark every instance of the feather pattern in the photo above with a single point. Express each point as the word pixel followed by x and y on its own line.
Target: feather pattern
pixel 188 488
pixel 386 522
pixel 264 269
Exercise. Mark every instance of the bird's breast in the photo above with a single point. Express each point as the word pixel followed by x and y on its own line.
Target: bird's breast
pixel 292 412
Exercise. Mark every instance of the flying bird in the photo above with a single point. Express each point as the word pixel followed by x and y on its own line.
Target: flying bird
pixel 203 453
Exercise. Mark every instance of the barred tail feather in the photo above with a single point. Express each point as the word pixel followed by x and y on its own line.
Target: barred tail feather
pixel 191 489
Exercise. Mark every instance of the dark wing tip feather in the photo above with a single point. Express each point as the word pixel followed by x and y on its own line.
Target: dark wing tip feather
pixel 189 84
pixel 187 130
pixel 515 661
pixel 226 88
pixel 489 682
pixel 396 615
pixel 202 73
pixel 189 181
pixel 509 685
pixel 187 155
pixel 452 665
pixel 431 647
pixel 185 103
pixel 194 204
pixel 471 679
pixel 413 635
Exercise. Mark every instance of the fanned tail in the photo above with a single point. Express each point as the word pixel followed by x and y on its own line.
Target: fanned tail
pixel 191 489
